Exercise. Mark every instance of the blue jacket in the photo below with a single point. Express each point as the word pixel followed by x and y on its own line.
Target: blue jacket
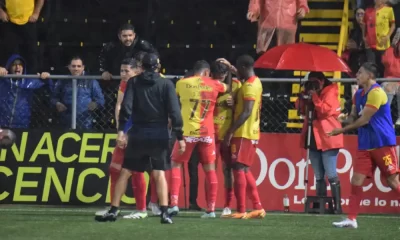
pixel 16 98
pixel 88 91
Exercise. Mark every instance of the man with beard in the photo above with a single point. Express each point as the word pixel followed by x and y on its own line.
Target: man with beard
pixel 128 46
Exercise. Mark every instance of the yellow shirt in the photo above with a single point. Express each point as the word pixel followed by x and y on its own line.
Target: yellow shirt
pixel 198 96
pixel 378 22
pixel 19 11
pixel 223 114
pixel 251 90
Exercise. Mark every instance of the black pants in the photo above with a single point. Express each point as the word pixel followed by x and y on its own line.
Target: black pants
pixel 375 56
pixel 22 40
pixel 193 169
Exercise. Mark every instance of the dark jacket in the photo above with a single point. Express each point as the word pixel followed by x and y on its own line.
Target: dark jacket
pixel 113 53
pixel 150 99
pixel 16 98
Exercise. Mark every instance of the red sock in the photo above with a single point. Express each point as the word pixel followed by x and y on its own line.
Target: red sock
pixel 175 185
pixel 240 190
pixel 228 197
pixel 354 201
pixel 114 174
pixel 252 191
pixel 133 183
pixel 140 190
pixel 212 185
pixel 153 189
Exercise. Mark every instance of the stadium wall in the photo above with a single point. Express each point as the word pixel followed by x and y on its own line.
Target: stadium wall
pixel 59 168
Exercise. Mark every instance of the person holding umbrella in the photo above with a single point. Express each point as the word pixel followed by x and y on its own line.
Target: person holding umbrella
pixel 321 97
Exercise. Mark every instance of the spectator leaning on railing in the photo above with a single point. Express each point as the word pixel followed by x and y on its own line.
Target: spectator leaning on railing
pixel 16 94
pixel 89 97
pixel 128 45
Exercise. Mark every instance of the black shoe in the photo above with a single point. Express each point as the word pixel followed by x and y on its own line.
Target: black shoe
pixel 337 199
pixel 195 207
pixel 166 219
pixel 108 217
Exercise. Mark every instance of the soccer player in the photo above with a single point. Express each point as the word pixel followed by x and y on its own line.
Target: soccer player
pixel 376 139
pixel 243 136
pixel 223 117
pixel 198 96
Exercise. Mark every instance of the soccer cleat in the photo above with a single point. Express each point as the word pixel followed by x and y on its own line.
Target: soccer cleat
pixel 166 219
pixel 173 211
pixel 107 217
pixel 102 212
pixel 236 215
pixel 256 214
pixel 346 223
pixel 226 212
pixel 208 215
pixel 155 209
pixel 136 215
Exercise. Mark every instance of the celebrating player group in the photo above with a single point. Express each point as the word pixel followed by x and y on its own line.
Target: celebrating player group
pixel 221 116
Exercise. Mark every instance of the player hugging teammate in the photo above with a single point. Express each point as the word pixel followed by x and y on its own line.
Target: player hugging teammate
pixel 233 138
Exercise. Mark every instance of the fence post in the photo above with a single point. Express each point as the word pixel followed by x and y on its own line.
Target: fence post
pixel 74 98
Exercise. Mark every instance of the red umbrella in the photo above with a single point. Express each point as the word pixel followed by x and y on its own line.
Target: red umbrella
pixel 302 57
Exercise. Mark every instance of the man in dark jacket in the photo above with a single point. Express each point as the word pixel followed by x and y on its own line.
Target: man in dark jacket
pixel 150 100
pixel 128 46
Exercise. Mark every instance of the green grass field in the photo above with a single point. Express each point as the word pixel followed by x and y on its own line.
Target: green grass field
pixel 31 223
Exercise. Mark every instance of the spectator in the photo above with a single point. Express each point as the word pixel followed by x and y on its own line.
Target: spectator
pixel 391 61
pixel 113 53
pixel 89 97
pixel 16 94
pixel 355 44
pixel 279 15
pixel 378 26
pixel 19 19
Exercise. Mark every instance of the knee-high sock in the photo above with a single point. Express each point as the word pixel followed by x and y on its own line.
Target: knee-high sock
pixel 240 190
pixel 114 174
pixel 139 190
pixel 175 185
pixel 354 201
pixel 153 189
pixel 212 189
pixel 252 191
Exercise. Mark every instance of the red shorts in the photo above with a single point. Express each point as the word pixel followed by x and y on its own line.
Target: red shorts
pixel 205 147
pixel 243 151
pixel 117 158
pixel 384 158
pixel 223 153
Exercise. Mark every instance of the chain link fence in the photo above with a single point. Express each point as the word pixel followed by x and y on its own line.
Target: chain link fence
pixel 278 113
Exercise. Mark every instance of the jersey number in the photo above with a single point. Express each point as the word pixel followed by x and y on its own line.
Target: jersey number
pixel 204 103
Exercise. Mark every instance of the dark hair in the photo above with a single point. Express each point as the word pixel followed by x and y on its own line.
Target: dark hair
pixel 139 56
pixel 133 63
pixel 218 69
pixel 76 58
pixel 126 26
pixel 200 66
pixel 371 68
pixel 188 74
pixel 245 61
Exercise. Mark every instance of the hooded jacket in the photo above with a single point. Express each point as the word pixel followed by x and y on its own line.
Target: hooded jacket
pixel 150 99
pixel 16 98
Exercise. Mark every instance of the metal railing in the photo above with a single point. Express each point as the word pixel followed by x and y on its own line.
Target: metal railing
pixel 278 112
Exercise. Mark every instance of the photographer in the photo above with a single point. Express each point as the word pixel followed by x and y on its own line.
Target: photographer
pixel 322 98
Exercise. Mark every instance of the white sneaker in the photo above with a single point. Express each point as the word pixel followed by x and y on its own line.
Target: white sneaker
pixel 102 212
pixel 155 209
pixel 136 215
pixel 208 215
pixel 227 211
pixel 173 211
pixel 346 223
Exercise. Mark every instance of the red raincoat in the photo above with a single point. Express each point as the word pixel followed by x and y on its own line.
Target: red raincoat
pixel 327 110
